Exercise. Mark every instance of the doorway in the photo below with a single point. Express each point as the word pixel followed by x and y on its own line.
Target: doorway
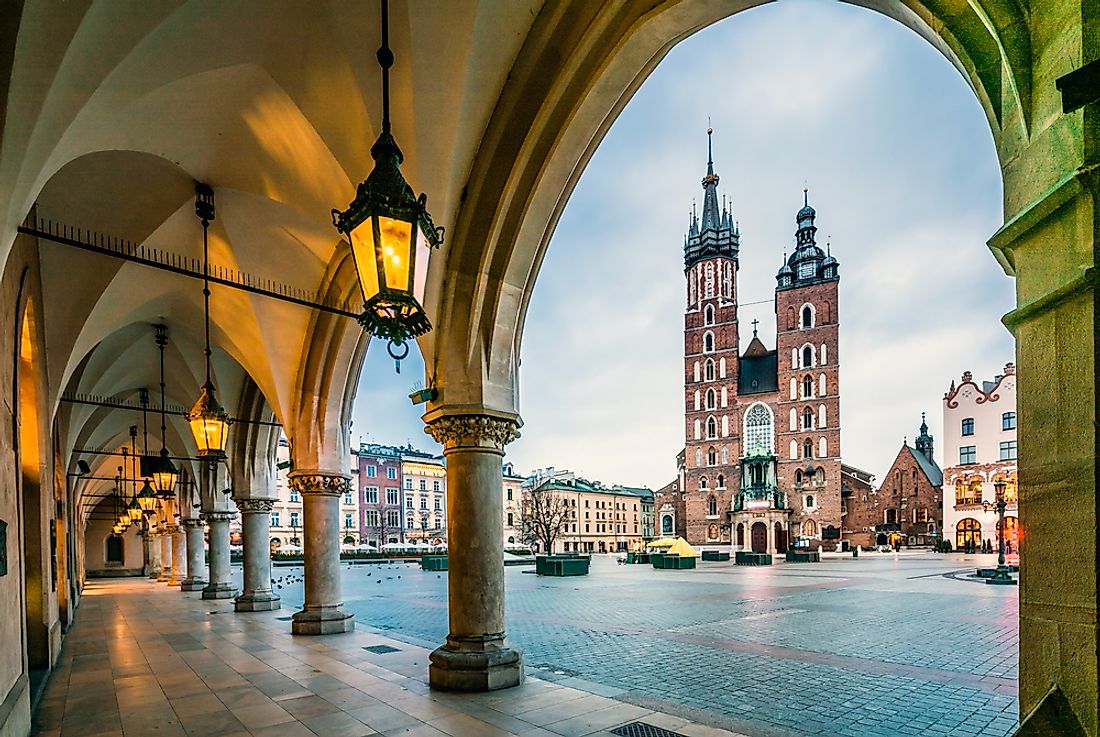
pixel 759 537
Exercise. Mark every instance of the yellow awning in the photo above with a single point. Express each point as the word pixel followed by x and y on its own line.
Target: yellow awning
pixel 682 549
pixel 664 542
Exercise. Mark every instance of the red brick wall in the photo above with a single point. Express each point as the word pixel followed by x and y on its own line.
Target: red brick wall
pixel 904 488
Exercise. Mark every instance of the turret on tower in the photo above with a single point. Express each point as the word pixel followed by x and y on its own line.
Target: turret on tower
pixel 715 234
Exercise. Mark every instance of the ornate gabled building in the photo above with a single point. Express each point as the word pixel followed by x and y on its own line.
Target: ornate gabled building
pixel 761 462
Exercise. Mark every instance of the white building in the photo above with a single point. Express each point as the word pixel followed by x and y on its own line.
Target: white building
pixel 286 513
pixel 979 427
pixel 513 483
pixel 424 478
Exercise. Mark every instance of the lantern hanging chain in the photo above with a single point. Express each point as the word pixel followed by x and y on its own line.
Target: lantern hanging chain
pixel 385 60
pixel 144 395
pixel 206 289
pixel 162 340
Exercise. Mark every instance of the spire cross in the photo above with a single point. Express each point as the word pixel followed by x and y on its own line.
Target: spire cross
pixel 805 196
pixel 755 322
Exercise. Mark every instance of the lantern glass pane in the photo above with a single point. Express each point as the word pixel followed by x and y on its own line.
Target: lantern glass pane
pixel 420 266
pixel 366 265
pixel 165 481
pixel 395 246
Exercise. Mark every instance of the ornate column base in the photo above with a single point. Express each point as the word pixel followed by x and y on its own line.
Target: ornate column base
pixel 475 664
pixel 329 620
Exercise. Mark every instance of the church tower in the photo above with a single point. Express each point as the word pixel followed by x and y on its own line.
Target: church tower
pixel 808 416
pixel 711 346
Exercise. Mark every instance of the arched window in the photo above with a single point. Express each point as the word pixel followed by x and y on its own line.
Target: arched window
pixel 725 455
pixel 712 399
pixel 810 501
pixel 712 457
pixel 708 315
pixel 822 448
pixel 794 449
pixel 712 428
pixel 702 482
pixel 698 457
pixel 821 385
pixel 712 506
pixel 741 533
pixel 759 426
pixel 696 371
pixel 697 400
pixel 794 388
pixel 807 387
pixel 722 367
pixel 809 528
pixel 824 354
pixel 721 482
pixel 819 475
pixel 807 356
pixel 698 430
pixel 821 416
pixel 794 419
pixel 725 397
pixel 808 449
pixel 968 532
pixel 826 313
pixel 708 342
pixel 807 419
pixel 794 358
pixel 798 477
pixel 962 489
pixel 807 316
pixel 791 322
pixel 708 370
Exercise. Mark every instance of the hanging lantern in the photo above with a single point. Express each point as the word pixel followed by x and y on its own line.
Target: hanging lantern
pixel 391 235
pixel 133 509
pixel 164 471
pixel 209 423
pixel 147 499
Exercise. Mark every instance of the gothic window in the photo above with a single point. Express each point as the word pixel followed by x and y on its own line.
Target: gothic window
pixel 808 449
pixel 712 506
pixel 696 371
pixel 822 448
pixel 821 416
pixel 721 484
pixel 807 419
pixel 728 286
pixel 759 430
pixel 702 482
pixel 807 356
pixel 725 455
pixel 709 292
pixel 821 385
pixel 708 315
pixel 794 449
pixel 712 428
pixel 794 358
pixel 824 354
pixel 696 400
pixel 794 388
pixel 809 528
pixel 794 418
pixel 691 291
pixel 698 429
pixel 808 387
pixel 708 342
pixel 725 426
pixel 810 501
pixel 819 477
pixel 725 397
pixel 698 457
pixel 712 399
pixel 722 367
pixel 708 370
pixel 826 313
pixel 712 457
pixel 798 477
pixel 790 318
pixel 807 316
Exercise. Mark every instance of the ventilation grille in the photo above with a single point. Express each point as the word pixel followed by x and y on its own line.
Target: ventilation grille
pixel 641 729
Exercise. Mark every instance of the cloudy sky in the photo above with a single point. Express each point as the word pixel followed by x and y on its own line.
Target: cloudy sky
pixel 901 168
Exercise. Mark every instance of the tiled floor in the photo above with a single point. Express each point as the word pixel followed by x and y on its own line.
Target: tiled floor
pixel 144 660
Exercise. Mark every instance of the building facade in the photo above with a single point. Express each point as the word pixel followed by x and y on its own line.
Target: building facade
pixel 424 492
pixel 761 464
pixel 513 494
pixel 380 494
pixel 980 442
pixel 287 518
pixel 906 509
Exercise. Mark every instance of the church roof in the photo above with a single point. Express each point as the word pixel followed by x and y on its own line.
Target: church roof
pixel 759 373
pixel 756 348
pixel 930 468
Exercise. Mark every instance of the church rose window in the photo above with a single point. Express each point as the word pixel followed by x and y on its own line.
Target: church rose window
pixel 758 430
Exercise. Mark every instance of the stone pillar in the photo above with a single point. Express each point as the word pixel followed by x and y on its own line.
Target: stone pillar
pixel 256 595
pixel 476 655
pixel 147 541
pixel 220 586
pixel 196 556
pixel 165 553
pixel 179 559
pixel 154 554
pixel 323 612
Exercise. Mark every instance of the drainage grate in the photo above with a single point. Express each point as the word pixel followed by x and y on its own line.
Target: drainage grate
pixel 284 619
pixel 641 729
pixel 382 649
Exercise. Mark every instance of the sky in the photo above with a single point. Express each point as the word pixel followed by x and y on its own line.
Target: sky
pixel 901 167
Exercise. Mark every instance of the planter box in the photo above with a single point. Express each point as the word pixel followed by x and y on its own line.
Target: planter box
pixel 433 563
pixel 743 558
pixel 715 555
pixel 562 565
pixel 655 559
pixel 803 556
pixel 674 562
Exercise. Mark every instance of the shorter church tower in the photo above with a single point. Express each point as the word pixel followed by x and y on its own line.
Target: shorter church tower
pixel 808 416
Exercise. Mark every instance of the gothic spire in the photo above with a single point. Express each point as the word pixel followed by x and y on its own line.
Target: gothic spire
pixel 924 442
pixel 712 219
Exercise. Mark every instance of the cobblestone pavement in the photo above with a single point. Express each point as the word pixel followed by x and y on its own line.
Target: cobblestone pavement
pixel 887 645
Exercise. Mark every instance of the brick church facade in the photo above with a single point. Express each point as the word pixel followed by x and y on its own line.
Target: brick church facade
pixel 761 461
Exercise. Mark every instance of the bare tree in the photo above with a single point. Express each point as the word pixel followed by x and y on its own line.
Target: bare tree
pixel 545 516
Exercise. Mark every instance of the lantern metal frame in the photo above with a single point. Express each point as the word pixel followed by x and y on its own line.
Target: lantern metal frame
pixel 392 312
pixel 165 472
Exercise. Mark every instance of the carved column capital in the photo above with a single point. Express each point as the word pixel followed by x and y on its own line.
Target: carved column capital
pixel 218 516
pixel 483 431
pixel 249 506
pixel 191 522
pixel 323 483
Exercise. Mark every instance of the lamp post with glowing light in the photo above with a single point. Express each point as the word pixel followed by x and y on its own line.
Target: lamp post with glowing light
pixel 1001 576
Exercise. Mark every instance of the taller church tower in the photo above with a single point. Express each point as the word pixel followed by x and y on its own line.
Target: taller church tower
pixel 711 366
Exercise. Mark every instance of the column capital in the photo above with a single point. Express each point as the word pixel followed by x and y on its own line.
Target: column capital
pixel 218 516
pixel 323 483
pixel 489 431
pixel 247 506
pixel 191 522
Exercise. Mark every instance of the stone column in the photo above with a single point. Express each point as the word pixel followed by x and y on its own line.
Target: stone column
pixel 256 595
pixel 196 556
pixel 323 612
pixel 179 559
pixel 165 553
pixel 476 655
pixel 154 554
pixel 220 586
pixel 147 541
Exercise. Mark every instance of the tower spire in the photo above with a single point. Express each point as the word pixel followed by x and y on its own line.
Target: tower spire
pixel 712 219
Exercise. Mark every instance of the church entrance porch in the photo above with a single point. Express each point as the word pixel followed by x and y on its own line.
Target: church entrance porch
pixel 761 531
pixel 759 537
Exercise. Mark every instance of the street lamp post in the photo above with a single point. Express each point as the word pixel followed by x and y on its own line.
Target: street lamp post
pixel 1001 577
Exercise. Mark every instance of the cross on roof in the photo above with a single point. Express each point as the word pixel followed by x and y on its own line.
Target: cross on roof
pixel 755 322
